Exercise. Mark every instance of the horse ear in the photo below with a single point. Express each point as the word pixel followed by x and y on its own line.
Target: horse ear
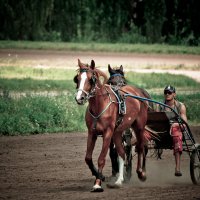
pixel 92 66
pixel 79 63
pixel 109 68
pixel 111 71
pixel 121 68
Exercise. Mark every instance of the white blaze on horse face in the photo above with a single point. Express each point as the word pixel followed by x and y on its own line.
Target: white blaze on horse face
pixel 81 86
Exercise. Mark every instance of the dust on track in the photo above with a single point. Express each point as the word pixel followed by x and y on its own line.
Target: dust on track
pixel 52 166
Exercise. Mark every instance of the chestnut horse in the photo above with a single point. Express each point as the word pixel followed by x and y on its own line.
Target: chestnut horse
pixel 101 119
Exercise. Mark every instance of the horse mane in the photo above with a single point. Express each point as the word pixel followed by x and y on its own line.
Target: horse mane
pixel 100 73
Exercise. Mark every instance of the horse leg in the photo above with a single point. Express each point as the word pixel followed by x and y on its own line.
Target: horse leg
pixel 141 169
pixel 140 150
pixel 114 159
pixel 121 153
pixel 101 163
pixel 91 140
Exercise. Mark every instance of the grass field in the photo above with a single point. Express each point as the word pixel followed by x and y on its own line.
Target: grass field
pixel 42 100
pixel 102 47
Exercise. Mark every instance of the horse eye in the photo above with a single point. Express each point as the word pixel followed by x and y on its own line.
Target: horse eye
pixel 92 80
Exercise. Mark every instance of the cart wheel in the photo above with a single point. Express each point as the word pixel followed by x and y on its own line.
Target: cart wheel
pixel 195 166
pixel 128 163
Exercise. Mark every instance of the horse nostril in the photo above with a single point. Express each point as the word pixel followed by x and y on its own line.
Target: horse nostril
pixel 80 101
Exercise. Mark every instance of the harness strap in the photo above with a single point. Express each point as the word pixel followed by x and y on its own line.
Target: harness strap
pixel 103 111
pixel 83 91
pixel 119 101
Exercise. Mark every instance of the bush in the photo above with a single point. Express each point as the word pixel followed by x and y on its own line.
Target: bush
pixel 32 115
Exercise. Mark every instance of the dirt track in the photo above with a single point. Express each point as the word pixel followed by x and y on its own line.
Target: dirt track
pixel 158 63
pixel 52 166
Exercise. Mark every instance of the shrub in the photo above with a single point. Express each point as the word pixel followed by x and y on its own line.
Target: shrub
pixel 40 114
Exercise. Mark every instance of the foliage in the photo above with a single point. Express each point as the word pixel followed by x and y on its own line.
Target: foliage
pixel 23 111
pixel 39 114
pixel 155 16
pixel 101 20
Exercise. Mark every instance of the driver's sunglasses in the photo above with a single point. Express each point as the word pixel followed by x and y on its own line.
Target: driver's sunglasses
pixel 167 92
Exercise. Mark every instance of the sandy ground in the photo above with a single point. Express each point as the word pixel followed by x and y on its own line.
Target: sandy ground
pixel 158 63
pixel 52 166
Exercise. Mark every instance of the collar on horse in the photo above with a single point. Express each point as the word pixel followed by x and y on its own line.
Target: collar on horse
pixel 118 74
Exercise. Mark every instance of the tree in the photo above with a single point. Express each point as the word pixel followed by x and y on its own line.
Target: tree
pixel 154 13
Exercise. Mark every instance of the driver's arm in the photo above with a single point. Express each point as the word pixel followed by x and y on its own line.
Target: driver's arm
pixel 183 112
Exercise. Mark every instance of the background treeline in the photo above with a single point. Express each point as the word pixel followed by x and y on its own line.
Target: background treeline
pixel 129 21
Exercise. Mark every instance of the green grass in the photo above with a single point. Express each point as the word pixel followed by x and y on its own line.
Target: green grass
pixel 26 78
pixel 156 80
pixel 40 112
pixel 101 47
pixel 18 72
pixel 26 84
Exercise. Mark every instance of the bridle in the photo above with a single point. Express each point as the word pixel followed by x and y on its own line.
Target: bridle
pixel 92 81
pixel 92 93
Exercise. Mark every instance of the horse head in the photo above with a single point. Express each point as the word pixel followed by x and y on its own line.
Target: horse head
pixel 113 71
pixel 116 76
pixel 86 81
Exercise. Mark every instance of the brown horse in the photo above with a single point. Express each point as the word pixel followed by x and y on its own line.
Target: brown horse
pixel 102 116
pixel 116 76
pixel 117 80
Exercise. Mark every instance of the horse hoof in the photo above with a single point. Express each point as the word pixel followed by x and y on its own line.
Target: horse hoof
pixel 141 176
pixel 113 186
pixel 99 189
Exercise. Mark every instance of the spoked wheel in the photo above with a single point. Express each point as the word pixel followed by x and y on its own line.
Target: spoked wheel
pixel 195 166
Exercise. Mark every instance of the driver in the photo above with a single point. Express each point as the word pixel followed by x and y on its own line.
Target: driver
pixel 175 130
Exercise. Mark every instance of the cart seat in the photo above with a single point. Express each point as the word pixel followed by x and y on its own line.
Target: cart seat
pixel 158 125
pixel 160 121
